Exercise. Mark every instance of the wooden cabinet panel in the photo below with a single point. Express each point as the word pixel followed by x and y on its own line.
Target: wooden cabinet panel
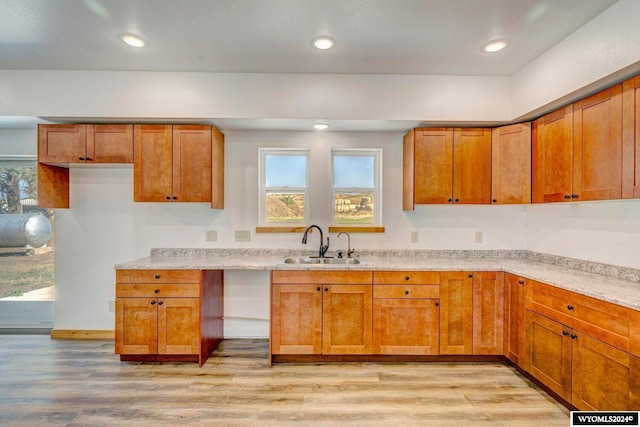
pixel 488 312
pixel 158 276
pixel 62 143
pixel 456 313
pixel 472 165
pixel 53 186
pixel 178 325
pixel 136 326
pixel 433 162
pixel 548 353
pixel 511 164
pixel 603 377
pixel 322 277
pixel 552 157
pixel 597 158
pixel 406 291
pixel 514 303
pixel 152 166
pixel 631 138
pixel 347 319
pixel 191 163
pixel 408 326
pixel 217 169
pixel 109 143
pixel 296 319
pixel 408 168
pixel 406 277
pixel 153 290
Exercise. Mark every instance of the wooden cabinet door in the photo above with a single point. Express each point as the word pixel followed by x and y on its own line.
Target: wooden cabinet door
pixel 433 163
pixel 136 326
pixel 597 142
pixel 61 143
pixel 408 170
pixel 347 314
pixel 604 378
pixel 456 313
pixel 552 157
pixel 405 326
pixel 178 325
pixel 472 165
pixel 296 319
pixel 511 164
pixel 152 165
pixel 488 312
pixel 514 303
pixel 548 353
pixel 109 143
pixel 631 138
pixel 191 163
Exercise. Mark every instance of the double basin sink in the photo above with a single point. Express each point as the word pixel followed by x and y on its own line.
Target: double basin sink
pixel 321 261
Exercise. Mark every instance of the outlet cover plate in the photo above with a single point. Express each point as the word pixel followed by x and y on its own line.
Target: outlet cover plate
pixel 243 236
pixel 211 235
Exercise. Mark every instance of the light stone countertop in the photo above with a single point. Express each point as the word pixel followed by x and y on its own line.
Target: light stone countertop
pixel 623 291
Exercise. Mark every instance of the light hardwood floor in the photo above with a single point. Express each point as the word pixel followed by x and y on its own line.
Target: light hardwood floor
pixel 82 383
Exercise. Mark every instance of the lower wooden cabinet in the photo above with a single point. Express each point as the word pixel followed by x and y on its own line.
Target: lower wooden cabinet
pixel 168 314
pixel 406 326
pixel 347 319
pixel 488 312
pixel 514 302
pixel 456 313
pixel 584 371
pixel 296 319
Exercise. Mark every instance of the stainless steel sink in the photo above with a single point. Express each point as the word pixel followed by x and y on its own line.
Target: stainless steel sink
pixel 323 261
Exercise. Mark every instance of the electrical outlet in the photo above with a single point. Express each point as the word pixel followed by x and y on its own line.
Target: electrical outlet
pixel 243 236
pixel 414 237
pixel 478 236
pixel 211 235
pixel 112 306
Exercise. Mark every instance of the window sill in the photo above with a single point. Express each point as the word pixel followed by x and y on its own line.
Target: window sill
pixel 281 229
pixel 356 229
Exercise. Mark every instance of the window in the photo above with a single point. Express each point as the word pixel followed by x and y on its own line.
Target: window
pixel 356 186
pixel 284 187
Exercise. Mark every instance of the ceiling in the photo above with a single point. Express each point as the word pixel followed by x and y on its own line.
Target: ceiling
pixel 258 36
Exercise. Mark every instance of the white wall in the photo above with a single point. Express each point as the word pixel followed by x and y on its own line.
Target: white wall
pixel 18 142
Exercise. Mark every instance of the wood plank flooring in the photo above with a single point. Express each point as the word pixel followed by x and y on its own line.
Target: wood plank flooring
pixel 82 383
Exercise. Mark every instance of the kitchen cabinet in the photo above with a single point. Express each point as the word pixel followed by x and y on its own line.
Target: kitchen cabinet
pixel 168 315
pixel 511 164
pixel 62 145
pixel 582 370
pixel 631 138
pixel 514 303
pixel 406 312
pixel 346 312
pixel 577 150
pixel 172 163
pixel 488 312
pixel 85 143
pixel 456 313
pixel 446 165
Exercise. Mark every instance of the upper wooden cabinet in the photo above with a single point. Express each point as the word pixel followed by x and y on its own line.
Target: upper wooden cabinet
pixel 631 138
pixel 511 164
pixel 446 165
pixel 103 143
pixel 577 150
pixel 175 163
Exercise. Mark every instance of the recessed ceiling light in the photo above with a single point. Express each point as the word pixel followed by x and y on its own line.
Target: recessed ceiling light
pixel 132 40
pixel 320 126
pixel 324 42
pixel 495 45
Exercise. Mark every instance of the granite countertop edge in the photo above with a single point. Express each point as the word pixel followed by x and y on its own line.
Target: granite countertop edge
pixel 611 289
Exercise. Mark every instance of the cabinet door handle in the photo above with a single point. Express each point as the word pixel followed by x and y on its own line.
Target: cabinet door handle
pixel 450 200
pixel 406 292
pixel 574 196
pixel 89 159
pixel 326 289
pixel 175 198
pixel 168 198
pixel 494 201
pixel 521 282
pixel 80 158
pixel 566 196
pixel 159 302
pixel 437 304
pixel 153 302
pixel 318 288
pixel 457 200
pixel 574 336
pixel 470 276
pixel 565 333
pixel 569 307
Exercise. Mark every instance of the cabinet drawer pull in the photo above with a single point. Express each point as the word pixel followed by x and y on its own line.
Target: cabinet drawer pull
pixel 406 292
pixel 156 291
pixel 569 307
pixel 157 276
pixel 407 278
pixel 153 302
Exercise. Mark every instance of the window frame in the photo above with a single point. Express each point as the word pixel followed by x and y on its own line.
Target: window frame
pixel 376 153
pixel 264 190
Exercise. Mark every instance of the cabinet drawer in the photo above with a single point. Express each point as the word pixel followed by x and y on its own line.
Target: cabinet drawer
pixel 322 277
pixel 607 322
pixel 152 290
pixel 158 276
pixel 406 291
pixel 406 277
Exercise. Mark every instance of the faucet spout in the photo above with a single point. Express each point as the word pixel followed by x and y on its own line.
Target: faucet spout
pixel 349 250
pixel 323 248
